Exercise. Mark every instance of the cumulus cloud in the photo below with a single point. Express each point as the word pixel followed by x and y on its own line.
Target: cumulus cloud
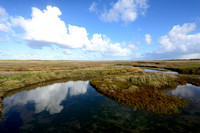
pixel 46 28
pixel 103 44
pixel 125 10
pixel 148 38
pixel 178 38
pixel 178 43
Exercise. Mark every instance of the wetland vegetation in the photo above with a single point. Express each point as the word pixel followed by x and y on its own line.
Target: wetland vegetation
pixel 111 95
pixel 123 81
pixel 180 66
pixel 143 91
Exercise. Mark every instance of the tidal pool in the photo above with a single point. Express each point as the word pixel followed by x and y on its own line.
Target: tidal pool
pixel 187 91
pixel 75 106
pixel 151 70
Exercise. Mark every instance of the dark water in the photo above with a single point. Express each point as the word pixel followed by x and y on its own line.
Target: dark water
pixel 75 106
pixel 151 70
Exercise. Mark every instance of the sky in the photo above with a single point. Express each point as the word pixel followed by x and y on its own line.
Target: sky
pixel 99 29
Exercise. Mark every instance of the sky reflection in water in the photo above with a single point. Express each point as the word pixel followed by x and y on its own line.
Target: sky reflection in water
pixel 47 98
pixel 186 91
pixel 151 70
pixel 75 106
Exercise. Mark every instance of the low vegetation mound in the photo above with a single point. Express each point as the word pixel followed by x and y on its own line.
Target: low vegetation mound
pixel 142 91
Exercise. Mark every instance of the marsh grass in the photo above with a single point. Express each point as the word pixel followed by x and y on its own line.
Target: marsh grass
pixel 192 79
pixel 52 65
pixel 156 80
pixel 142 92
pixel 181 66
pixel 116 79
pixel 18 80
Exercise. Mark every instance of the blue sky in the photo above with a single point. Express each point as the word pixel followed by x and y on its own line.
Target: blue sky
pixel 99 29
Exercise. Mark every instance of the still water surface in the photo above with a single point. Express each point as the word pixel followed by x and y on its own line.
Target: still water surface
pixel 152 70
pixel 187 91
pixel 75 106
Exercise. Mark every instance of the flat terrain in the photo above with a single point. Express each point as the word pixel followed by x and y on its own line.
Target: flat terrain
pixel 120 80
pixel 183 66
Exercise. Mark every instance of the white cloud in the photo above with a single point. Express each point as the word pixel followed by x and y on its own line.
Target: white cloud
pixel 178 43
pixel 46 28
pixel 3 28
pixel 93 7
pixel 190 56
pixel 148 38
pixel 103 44
pixel 125 10
pixel 178 38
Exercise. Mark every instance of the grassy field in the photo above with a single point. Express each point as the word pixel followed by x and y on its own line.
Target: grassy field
pixel 52 65
pixel 127 79
pixel 181 66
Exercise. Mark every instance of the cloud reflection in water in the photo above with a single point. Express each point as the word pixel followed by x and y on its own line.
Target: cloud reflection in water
pixel 186 91
pixel 49 97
